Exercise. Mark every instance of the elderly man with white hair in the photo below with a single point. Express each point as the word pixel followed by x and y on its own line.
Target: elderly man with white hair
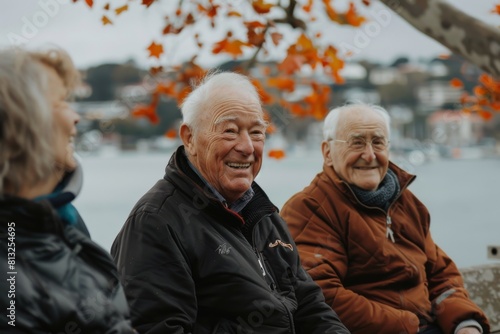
pixel 365 238
pixel 205 251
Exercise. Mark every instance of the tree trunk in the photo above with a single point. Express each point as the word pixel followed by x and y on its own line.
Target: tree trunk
pixel 462 34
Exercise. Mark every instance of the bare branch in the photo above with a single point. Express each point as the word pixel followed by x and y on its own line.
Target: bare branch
pixel 290 18
pixel 461 33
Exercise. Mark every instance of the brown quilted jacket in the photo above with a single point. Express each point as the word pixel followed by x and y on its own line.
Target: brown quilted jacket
pixel 374 284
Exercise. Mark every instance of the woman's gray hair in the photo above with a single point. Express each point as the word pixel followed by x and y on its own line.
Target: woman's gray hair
pixel 26 142
pixel 332 119
pixel 203 93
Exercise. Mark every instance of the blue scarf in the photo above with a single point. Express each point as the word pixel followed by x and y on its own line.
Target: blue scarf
pixel 383 196
pixel 64 193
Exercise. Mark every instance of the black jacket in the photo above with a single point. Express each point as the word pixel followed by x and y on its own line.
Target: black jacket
pixel 190 265
pixel 58 280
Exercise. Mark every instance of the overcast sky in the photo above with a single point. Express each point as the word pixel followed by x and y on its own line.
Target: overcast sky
pixel 78 29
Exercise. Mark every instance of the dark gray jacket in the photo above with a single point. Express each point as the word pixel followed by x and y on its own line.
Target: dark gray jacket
pixel 58 280
pixel 190 265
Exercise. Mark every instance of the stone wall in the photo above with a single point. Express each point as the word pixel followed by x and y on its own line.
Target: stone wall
pixel 483 284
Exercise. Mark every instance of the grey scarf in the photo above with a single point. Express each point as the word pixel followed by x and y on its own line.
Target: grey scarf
pixel 383 196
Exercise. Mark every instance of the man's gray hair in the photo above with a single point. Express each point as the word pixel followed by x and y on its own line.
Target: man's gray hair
pixel 332 119
pixel 26 130
pixel 204 92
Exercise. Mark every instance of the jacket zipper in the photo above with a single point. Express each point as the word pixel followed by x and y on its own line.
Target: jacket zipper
pixel 259 259
pixel 270 277
pixel 389 233
pixel 388 223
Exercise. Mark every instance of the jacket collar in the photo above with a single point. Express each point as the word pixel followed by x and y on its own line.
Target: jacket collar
pixel 187 180
pixel 29 215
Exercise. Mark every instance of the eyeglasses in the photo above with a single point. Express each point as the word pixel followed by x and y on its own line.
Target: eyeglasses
pixel 359 143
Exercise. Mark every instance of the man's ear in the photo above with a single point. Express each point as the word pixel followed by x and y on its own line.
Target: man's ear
pixel 187 137
pixel 326 150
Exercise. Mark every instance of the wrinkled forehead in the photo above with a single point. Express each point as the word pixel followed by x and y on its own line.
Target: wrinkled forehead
pixel 362 122
pixel 233 104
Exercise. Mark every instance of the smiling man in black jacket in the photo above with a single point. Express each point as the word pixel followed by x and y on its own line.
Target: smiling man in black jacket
pixel 205 251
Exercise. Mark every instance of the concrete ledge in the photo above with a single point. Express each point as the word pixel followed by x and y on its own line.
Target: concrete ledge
pixel 483 284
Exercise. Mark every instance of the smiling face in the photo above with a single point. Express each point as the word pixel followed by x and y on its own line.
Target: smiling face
pixel 64 121
pixel 364 169
pixel 227 145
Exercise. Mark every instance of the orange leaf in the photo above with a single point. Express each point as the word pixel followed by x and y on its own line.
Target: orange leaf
pixel 190 72
pixel 106 7
pixel 148 111
pixel 333 62
pixel 307 8
pixel 291 63
pixel 353 18
pixel 480 91
pixel 183 94
pixel 271 129
pixel 233 13
pixel 456 83
pixel 261 7
pixel 486 80
pixel 265 97
pixel 156 70
pixel 121 9
pixel 318 100
pixel 155 50
pixel 276 37
pixel 255 39
pixel 105 20
pixel 496 9
pixel 277 154
pixel 286 84
pixel 211 11
pixel 89 3
pixel 495 106
pixel 444 56
pixel 233 47
pixel 304 43
pixel 219 46
pixel 366 2
pixel 298 110
pixel 172 133
pixel 254 24
pixel 170 29
pixel 147 3
pixel 189 19
pixel 486 115
pixel 166 89
pixel 331 13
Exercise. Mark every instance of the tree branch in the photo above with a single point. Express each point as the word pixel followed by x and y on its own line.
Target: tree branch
pixel 461 33
pixel 290 18
pixel 251 62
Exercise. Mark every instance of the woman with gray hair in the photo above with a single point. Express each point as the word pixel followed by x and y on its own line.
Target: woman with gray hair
pixel 58 280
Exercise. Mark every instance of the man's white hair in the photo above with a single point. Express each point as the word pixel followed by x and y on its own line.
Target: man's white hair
pixel 332 119
pixel 215 81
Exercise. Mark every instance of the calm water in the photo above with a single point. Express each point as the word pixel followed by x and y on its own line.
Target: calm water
pixel 463 196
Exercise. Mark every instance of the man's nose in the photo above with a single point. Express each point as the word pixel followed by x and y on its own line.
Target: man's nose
pixel 368 152
pixel 244 144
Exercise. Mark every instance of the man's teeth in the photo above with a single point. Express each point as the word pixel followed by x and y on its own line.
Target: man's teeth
pixel 237 165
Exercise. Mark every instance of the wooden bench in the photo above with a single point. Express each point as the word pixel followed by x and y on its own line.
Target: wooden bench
pixel 483 284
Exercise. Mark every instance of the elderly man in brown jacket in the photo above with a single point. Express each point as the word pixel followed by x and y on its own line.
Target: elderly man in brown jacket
pixel 365 238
